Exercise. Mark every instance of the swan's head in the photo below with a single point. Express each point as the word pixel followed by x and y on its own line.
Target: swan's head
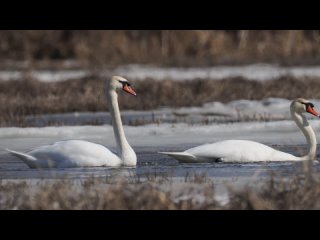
pixel 118 82
pixel 301 105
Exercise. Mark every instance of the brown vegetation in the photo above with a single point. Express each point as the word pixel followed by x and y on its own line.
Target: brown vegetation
pixel 28 97
pixel 169 47
pixel 293 193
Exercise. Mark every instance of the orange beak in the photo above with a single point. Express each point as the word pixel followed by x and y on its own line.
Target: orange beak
pixel 129 89
pixel 312 111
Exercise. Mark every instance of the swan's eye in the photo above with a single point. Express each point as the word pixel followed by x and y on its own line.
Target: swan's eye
pixel 309 105
pixel 125 83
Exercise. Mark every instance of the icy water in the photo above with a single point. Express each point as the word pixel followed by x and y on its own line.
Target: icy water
pixel 257 72
pixel 151 164
pixel 172 129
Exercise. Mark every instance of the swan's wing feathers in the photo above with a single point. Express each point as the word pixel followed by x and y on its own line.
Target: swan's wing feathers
pixel 181 156
pixel 21 155
pixel 31 161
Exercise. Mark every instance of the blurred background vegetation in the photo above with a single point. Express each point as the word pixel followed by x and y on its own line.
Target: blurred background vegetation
pixel 101 48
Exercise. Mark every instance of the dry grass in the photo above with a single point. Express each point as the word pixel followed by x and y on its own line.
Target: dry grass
pixel 276 194
pixel 170 47
pixel 95 195
pixel 296 194
pixel 30 97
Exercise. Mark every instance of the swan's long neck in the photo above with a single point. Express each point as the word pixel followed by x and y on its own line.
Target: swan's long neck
pixel 125 152
pixel 308 132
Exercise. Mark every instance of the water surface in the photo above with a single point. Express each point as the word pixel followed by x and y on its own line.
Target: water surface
pixel 151 164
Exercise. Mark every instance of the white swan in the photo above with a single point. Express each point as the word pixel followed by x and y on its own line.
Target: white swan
pixel 249 151
pixel 78 153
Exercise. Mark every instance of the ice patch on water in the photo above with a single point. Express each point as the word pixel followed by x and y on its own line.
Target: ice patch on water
pixel 257 72
pixel 277 132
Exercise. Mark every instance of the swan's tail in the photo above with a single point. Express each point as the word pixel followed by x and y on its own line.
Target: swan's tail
pixel 28 159
pixel 183 157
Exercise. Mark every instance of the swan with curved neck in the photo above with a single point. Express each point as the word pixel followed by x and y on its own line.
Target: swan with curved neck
pixel 250 151
pixel 79 153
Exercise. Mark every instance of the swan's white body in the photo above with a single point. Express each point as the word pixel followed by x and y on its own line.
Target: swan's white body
pixel 231 151
pixel 249 151
pixel 79 153
pixel 70 153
